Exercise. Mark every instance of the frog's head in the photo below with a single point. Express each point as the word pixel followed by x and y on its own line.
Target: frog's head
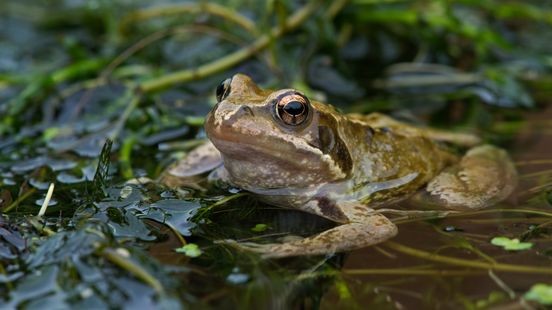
pixel 276 139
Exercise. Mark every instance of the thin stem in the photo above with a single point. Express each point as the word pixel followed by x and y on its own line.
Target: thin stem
pixel 534 162
pixel 465 245
pixel 412 272
pixel 191 8
pixel 19 200
pixel 536 174
pixel 40 227
pixel 133 268
pixel 177 233
pixel 125 157
pixel 465 262
pixel 335 8
pixel 527 211
pixel 502 285
pixel 47 199
pixel 141 44
pixel 134 101
pixel 224 200
pixel 465 214
pixel 230 60
pixel 156 36
pixel 534 220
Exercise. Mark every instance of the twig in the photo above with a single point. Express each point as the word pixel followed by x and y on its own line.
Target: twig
pixel 46 200
pixel 228 61
pixel 466 263
pixel 134 101
pixel 34 221
pixel 176 233
pixel 133 268
pixel 465 214
pixel 224 200
pixel 19 200
pixel 412 272
pixel 534 162
pixel 502 285
pixel 179 9
pixel 335 8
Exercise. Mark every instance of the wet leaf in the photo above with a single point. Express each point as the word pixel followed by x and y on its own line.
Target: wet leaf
pixel 176 212
pixel 38 284
pixel 190 249
pixel 541 293
pixel 259 228
pixel 64 245
pixel 511 244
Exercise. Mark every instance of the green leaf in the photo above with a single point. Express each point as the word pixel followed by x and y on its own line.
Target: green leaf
pixel 511 244
pixel 190 250
pixel 259 228
pixel 541 293
pixel 50 133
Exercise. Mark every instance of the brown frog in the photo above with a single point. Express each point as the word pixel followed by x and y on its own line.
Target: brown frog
pixel 298 153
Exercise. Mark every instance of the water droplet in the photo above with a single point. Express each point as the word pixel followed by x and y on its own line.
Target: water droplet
pixel 451 228
pixel 237 277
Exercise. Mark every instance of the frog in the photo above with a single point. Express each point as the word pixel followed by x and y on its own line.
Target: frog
pixel 294 152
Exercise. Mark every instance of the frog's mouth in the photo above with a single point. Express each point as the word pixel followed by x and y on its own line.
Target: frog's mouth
pixel 235 145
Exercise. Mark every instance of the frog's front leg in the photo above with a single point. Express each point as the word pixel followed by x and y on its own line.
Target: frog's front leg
pixel 188 170
pixel 360 227
pixel 483 177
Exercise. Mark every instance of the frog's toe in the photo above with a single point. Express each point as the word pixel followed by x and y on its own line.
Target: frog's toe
pixel 261 248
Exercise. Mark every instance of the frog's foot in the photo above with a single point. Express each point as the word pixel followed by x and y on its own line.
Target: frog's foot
pixel 484 176
pixel 363 227
pixel 261 248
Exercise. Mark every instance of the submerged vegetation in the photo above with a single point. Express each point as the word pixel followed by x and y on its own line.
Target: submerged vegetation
pixel 96 93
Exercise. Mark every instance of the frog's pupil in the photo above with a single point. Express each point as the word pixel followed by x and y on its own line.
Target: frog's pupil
pixel 294 108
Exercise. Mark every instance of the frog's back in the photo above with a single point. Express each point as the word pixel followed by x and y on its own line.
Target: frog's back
pixel 399 157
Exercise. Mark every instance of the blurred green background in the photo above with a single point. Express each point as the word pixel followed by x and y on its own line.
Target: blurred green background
pixel 76 73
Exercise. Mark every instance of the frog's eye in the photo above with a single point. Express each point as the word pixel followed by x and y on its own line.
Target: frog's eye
pixel 292 108
pixel 223 89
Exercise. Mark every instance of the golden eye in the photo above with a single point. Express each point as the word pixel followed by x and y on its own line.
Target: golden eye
pixel 293 108
pixel 223 89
